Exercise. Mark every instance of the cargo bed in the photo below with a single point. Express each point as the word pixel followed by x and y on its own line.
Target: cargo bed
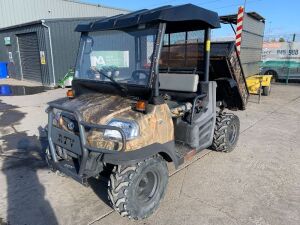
pixel 225 66
pixel 225 63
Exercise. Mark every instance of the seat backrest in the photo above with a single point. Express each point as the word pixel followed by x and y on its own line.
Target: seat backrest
pixel 178 82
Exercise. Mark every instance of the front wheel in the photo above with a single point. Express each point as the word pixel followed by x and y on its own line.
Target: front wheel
pixel 136 190
pixel 226 132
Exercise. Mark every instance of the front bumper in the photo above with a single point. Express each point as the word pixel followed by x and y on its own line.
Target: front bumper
pixel 74 143
pixel 78 145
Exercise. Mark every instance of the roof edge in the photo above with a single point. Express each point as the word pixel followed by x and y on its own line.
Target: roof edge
pixel 22 25
pixel 97 5
pixel 50 20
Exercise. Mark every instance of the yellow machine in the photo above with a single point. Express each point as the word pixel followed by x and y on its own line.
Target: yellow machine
pixel 258 83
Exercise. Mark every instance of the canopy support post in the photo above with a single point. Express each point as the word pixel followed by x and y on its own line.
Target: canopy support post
pixel 207 53
pixel 155 66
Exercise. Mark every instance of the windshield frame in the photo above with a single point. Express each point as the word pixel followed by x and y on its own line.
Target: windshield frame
pixel 153 68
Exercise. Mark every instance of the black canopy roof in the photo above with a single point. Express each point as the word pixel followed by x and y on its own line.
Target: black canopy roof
pixel 179 18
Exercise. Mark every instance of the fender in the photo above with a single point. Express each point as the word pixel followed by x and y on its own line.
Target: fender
pixel 127 158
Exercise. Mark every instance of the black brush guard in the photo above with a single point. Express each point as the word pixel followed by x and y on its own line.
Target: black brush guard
pixel 84 146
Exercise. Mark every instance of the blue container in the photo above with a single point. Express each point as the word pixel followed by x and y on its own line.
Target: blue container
pixel 3 70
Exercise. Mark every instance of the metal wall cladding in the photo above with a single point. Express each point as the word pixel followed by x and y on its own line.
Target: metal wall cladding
pixel 14 64
pixel 14 12
pixel 65 44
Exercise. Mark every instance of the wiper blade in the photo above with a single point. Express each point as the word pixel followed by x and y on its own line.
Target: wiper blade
pixel 114 82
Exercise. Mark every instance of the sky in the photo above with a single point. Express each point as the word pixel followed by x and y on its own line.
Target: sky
pixel 282 16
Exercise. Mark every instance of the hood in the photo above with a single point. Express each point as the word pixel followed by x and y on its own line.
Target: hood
pixel 98 108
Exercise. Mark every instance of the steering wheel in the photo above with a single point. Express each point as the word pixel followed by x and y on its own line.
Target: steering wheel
pixel 94 73
pixel 140 75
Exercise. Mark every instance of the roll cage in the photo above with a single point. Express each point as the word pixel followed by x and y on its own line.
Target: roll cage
pixel 170 19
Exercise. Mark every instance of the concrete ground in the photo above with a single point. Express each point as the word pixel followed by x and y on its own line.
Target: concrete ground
pixel 258 183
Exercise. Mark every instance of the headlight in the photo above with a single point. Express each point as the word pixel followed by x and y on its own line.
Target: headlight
pixel 130 128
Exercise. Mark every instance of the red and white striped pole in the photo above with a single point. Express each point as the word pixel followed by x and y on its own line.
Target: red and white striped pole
pixel 239 28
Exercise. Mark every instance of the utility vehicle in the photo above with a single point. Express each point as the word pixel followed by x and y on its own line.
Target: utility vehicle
pixel 141 99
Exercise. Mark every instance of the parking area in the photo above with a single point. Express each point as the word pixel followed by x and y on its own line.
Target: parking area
pixel 258 183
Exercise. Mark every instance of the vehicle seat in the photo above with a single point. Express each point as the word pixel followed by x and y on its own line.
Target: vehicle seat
pixel 178 82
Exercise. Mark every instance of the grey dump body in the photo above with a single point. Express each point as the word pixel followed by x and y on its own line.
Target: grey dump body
pixel 225 63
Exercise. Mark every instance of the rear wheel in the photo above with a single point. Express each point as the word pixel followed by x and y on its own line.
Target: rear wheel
pixel 136 190
pixel 226 132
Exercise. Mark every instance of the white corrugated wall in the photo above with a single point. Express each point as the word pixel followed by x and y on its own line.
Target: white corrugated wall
pixel 13 12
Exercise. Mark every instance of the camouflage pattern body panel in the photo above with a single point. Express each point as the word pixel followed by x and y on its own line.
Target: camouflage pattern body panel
pixel 155 127
pixel 93 107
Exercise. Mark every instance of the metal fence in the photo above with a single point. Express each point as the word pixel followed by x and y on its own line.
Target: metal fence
pixel 286 37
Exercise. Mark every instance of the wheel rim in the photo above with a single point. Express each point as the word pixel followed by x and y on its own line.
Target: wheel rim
pixel 147 186
pixel 232 133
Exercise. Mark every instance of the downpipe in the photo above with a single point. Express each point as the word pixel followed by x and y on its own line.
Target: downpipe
pixel 51 50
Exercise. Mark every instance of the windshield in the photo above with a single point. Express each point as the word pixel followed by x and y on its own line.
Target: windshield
pixel 117 56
